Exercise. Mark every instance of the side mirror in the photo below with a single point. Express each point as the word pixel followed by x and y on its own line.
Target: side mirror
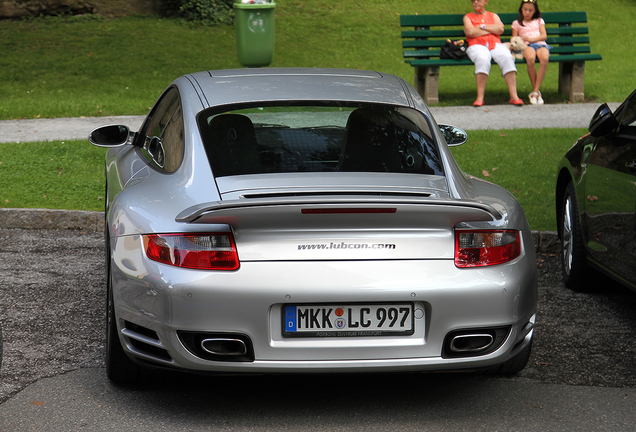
pixel 603 121
pixel 454 136
pixel 110 136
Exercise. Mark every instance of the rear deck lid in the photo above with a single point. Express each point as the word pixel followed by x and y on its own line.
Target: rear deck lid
pixel 340 224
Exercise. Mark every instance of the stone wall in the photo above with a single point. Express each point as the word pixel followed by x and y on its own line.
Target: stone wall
pixel 13 9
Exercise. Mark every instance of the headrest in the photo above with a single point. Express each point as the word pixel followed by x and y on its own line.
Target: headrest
pixel 371 143
pixel 234 146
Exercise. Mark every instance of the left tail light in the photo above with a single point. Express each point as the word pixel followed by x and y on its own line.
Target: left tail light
pixel 486 248
pixel 215 251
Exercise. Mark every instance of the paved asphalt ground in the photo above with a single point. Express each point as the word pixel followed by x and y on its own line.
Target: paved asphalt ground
pixel 75 395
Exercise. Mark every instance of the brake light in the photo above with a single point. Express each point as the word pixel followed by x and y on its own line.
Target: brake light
pixel 215 251
pixel 347 211
pixel 486 248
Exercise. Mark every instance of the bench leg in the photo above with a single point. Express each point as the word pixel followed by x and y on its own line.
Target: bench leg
pixel 572 80
pixel 426 83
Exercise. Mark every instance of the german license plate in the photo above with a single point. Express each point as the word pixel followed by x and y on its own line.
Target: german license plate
pixel 348 320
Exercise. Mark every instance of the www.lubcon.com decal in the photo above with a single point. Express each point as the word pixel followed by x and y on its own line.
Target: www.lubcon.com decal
pixel 344 245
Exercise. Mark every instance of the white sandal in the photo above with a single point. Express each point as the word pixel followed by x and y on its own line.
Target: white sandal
pixel 534 98
pixel 539 99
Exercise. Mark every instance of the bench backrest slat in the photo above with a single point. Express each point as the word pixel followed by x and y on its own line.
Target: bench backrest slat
pixel 433 34
pixel 433 43
pixel 431 20
pixel 549 17
pixel 507 18
pixel 567 49
pixel 455 34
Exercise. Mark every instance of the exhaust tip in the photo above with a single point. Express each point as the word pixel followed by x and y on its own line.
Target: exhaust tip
pixel 471 343
pixel 224 347
pixel 474 342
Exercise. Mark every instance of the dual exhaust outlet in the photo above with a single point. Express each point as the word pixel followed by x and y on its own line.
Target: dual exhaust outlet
pixel 226 347
pixel 471 343
pixel 474 342
pixel 235 347
pixel 466 343
pixel 223 347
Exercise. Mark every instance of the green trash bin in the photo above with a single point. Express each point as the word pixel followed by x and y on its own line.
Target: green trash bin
pixel 255 31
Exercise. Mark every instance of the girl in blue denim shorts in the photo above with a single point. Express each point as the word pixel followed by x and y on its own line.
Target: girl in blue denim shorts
pixel 531 28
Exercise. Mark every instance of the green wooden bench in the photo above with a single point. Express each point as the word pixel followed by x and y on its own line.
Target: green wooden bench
pixel 571 48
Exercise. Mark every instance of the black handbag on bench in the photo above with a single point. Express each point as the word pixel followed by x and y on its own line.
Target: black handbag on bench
pixel 453 50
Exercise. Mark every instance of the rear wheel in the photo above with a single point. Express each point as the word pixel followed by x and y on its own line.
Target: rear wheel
pixel 573 264
pixel 119 367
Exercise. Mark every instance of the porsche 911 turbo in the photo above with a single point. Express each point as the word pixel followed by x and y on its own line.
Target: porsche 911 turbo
pixel 307 220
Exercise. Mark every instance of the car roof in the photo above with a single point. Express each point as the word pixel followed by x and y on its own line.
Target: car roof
pixel 233 86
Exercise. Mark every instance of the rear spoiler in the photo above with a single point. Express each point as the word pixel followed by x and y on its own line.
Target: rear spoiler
pixel 194 213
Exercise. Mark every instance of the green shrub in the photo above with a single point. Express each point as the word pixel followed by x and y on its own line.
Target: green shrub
pixel 207 12
pixel 169 8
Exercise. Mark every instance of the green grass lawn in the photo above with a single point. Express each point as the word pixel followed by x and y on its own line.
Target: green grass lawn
pixel 53 175
pixel 70 174
pixel 524 161
pixel 60 67
pixel 92 66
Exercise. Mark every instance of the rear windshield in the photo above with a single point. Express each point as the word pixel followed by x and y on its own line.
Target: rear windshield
pixel 319 138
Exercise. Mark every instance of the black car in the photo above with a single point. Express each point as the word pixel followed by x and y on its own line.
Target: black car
pixel 596 199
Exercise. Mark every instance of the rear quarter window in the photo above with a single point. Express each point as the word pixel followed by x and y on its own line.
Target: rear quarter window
pixel 161 140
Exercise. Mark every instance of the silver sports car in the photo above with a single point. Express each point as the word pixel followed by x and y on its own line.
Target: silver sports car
pixel 307 220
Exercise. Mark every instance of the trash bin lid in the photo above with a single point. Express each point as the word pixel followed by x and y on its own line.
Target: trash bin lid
pixel 254 4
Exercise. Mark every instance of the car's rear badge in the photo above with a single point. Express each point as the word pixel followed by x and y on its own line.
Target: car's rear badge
pixel 343 245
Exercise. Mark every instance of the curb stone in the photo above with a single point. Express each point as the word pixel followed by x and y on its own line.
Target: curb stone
pixel 544 241
pixel 52 219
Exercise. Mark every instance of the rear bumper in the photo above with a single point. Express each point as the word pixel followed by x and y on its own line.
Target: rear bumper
pixel 519 338
pixel 162 301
